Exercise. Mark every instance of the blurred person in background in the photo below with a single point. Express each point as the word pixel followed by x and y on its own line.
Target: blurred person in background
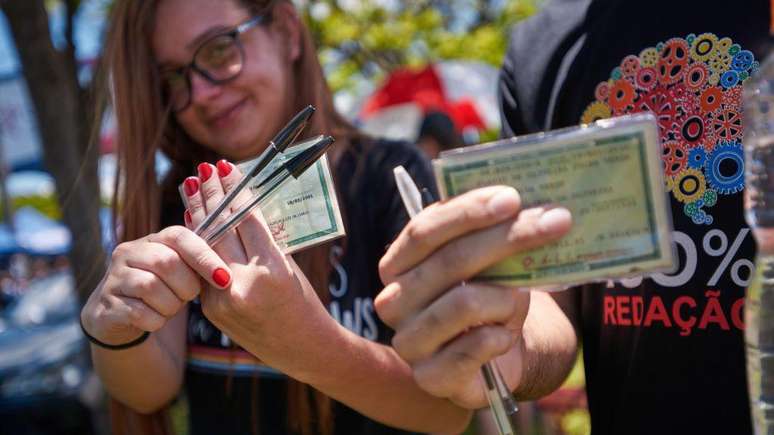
pixel 242 328
pixel 437 133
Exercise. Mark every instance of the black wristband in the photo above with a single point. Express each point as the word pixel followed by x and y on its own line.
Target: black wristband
pixel 132 343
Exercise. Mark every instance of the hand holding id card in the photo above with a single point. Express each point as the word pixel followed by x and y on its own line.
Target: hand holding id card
pixel 608 174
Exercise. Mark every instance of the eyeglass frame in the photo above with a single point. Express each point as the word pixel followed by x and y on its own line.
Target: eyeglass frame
pixel 185 71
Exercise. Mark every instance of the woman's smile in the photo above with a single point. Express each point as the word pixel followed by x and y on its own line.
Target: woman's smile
pixel 226 116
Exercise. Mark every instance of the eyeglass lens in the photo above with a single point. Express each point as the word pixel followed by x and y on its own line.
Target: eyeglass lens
pixel 218 60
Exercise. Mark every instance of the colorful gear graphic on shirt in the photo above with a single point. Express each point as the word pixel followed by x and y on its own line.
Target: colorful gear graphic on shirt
pixel 696 158
pixel 646 78
pixel 711 99
pixel 693 85
pixel 673 60
pixel 710 198
pixel 630 65
pixel 669 183
pixel 727 124
pixel 602 91
pixel 703 47
pixel 696 77
pixel 742 61
pixel 649 57
pixel 729 79
pixel 596 111
pixel 675 158
pixel 621 96
pixel 733 97
pixel 725 168
pixel 689 186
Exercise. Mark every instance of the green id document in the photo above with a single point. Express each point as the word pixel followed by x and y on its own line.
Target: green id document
pixel 304 211
pixel 608 174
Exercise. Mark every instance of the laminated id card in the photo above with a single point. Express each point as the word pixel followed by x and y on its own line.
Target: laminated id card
pixel 608 174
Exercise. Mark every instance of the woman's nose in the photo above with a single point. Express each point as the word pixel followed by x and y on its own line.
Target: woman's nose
pixel 202 89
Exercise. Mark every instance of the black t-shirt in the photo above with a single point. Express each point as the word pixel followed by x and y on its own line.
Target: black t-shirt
pixel 229 391
pixel 663 354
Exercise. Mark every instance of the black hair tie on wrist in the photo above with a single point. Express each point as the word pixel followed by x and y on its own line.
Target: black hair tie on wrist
pixel 132 343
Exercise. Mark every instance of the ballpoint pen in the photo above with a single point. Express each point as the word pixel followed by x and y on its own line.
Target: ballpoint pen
pixel 293 168
pixel 500 399
pixel 281 141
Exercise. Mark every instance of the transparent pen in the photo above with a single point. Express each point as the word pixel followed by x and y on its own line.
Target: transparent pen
pixel 293 168
pixel 500 399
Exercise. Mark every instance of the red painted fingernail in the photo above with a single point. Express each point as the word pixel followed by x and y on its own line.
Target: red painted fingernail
pixel 224 168
pixel 205 171
pixel 221 277
pixel 187 217
pixel 191 186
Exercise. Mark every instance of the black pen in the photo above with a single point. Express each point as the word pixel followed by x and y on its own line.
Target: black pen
pixel 279 144
pixel 292 168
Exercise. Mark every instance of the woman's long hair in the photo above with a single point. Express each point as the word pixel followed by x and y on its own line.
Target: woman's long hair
pixel 130 84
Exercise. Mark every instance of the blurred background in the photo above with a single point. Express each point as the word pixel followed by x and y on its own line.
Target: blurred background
pixel 423 71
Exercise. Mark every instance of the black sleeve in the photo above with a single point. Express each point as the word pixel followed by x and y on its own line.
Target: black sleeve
pixel 536 49
pixel 389 215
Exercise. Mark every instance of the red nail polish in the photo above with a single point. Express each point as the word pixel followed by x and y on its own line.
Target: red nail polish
pixel 224 168
pixel 191 186
pixel 187 217
pixel 205 171
pixel 221 277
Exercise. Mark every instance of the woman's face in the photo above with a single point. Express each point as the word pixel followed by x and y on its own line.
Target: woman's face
pixel 238 118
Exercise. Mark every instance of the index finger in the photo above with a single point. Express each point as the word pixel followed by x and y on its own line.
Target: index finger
pixel 443 222
pixel 196 254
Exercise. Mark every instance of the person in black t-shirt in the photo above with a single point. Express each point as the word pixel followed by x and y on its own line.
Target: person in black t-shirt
pixel 242 328
pixel 663 353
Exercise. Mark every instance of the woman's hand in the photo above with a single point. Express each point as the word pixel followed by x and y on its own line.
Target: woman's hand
pixel 447 330
pixel 269 299
pixel 148 281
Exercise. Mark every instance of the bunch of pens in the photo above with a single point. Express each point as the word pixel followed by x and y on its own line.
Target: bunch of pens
pixel 269 184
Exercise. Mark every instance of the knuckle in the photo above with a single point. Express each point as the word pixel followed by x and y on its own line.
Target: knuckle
pixel 384 306
pixel 488 342
pixel 467 303
pixel 386 269
pixel 209 190
pixel 202 261
pixel 165 261
pixel 417 235
pixel 453 257
pixel 135 314
pixel 173 235
pixel 189 293
pixel 463 361
pixel 120 251
pixel 432 321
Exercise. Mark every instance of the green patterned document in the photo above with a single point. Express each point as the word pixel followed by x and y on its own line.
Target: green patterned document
pixel 302 212
pixel 609 175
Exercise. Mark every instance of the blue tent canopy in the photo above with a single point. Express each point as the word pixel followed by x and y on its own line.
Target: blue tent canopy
pixel 37 234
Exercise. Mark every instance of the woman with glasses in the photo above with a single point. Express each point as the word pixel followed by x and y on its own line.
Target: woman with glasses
pixel 241 328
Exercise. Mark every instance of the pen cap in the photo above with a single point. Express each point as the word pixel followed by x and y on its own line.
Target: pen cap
pixel 300 163
pixel 294 128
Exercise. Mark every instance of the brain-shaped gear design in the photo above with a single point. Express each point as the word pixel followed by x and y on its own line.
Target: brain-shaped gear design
pixel 693 86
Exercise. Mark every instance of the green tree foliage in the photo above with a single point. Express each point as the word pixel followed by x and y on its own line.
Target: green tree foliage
pixel 369 38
